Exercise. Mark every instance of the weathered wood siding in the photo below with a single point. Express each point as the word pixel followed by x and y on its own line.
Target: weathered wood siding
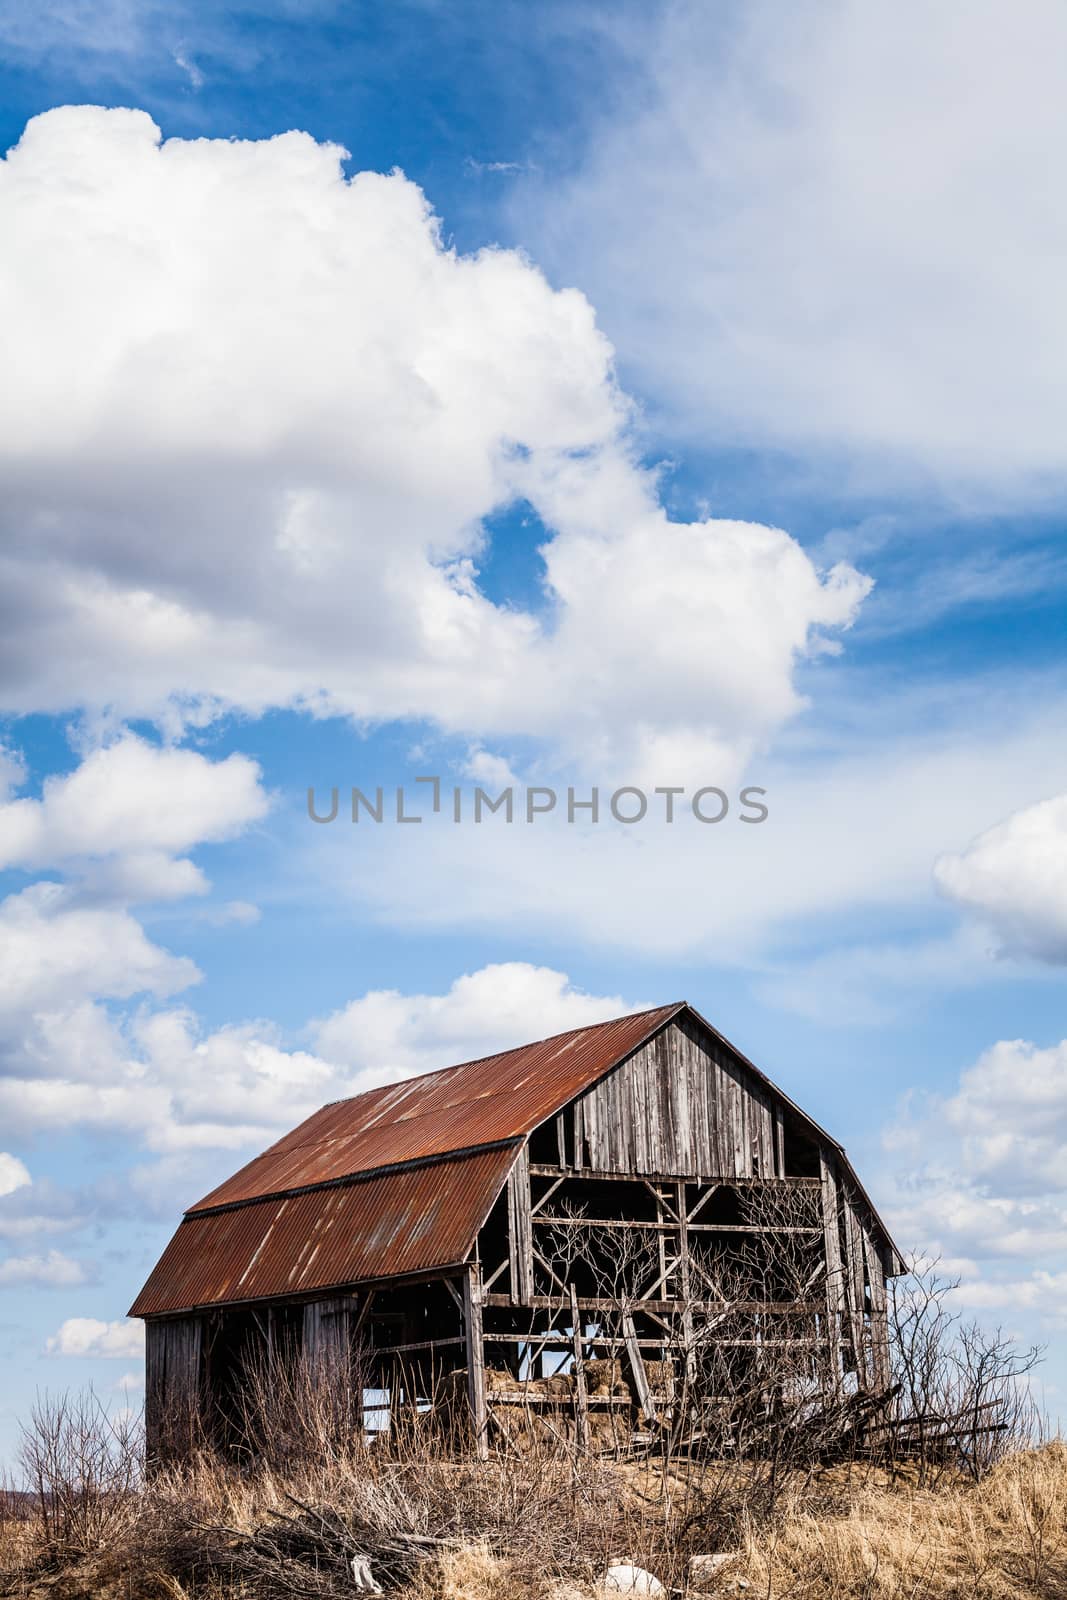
pixel 520 1230
pixel 680 1105
pixel 855 1279
pixel 328 1330
pixel 173 1385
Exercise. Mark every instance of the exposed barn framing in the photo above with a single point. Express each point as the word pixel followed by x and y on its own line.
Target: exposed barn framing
pixel 631 1206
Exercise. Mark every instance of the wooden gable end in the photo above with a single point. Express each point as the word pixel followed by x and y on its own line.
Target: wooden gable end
pixel 681 1104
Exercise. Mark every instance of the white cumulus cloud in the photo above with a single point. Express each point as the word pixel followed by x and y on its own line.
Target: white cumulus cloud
pixel 981 1175
pixel 134 807
pixel 1014 878
pixel 87 1336
pixel 387 1034
pixel 13 1173
pixel 52 1271
pixel 256 417
pixel 196 1101
pixel 54 952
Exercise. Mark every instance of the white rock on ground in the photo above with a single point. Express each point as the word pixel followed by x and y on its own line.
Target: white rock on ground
pixel 624 1578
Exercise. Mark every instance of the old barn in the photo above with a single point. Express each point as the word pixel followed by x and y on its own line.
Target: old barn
pixel 635 1198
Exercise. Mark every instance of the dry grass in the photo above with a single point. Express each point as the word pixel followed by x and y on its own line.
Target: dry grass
pixel 1002 1539
pixel 512 1530
pixel 440 1525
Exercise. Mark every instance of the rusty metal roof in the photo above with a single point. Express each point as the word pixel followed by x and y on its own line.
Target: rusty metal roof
pixel 497 1098
pixel 411 1219
pixel 397 1180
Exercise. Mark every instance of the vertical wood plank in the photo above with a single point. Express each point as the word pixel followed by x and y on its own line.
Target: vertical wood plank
pixel 854 1285
pixel 174 1387
pixel 745 1104
pixel 637 1367
pixel 472 1331
pixel 737 1128
pixel 779 1142
pixel 520 1230
pixel 684 1285
pixel 879 1317
pixel 832 1251
pixel 723 1155
pixel 154 1378
pixel 581 1396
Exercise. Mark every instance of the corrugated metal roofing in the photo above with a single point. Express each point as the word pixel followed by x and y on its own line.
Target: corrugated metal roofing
pixel 396 1180
pixel 479 1102
pixel 413 1219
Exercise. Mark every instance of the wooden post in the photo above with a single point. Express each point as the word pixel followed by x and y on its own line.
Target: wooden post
pixel 520 1230
pixel 832 1250
pixel 637 1366
pixel 779 1142
pixel 684 1286
pixel 581 1398
pixel 472 1331
pixel 854 1286
pixel 661 1246
pixel 879 1316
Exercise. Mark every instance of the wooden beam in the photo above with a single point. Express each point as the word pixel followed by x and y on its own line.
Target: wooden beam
pixel 455 1293
pixel 624 1225
pixel 580 1395
pixel 832 1249
pixel 684 1286
pixel 605 1341
pixel 472 1330
pixel 854 1296
pixel 497 1273
pixel 550 1270
pixel 520 1396
pixel 548 1302
pixel 422 1344
pixel 637 1366
pixel 779 1141
pixel 661 1243
pixel 665 1271
pixel 709 1193
pixel 520 1232
pixel 541 1169
pixel 546 1197
pixel 663 1209
pixel 879 1318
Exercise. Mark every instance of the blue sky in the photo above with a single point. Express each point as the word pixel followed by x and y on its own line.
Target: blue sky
pixel 682 404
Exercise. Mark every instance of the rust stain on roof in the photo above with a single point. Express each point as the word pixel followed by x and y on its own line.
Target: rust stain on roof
pixel 406 1220
pixel 397 1180
pixel 497 1098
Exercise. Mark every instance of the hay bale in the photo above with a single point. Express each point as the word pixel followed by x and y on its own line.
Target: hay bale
pixel 662 1376
pixel 499 1381
pixel 605 1378
pixel 557 1386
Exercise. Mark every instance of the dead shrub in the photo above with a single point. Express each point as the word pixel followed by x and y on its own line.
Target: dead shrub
pixel 82 1466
